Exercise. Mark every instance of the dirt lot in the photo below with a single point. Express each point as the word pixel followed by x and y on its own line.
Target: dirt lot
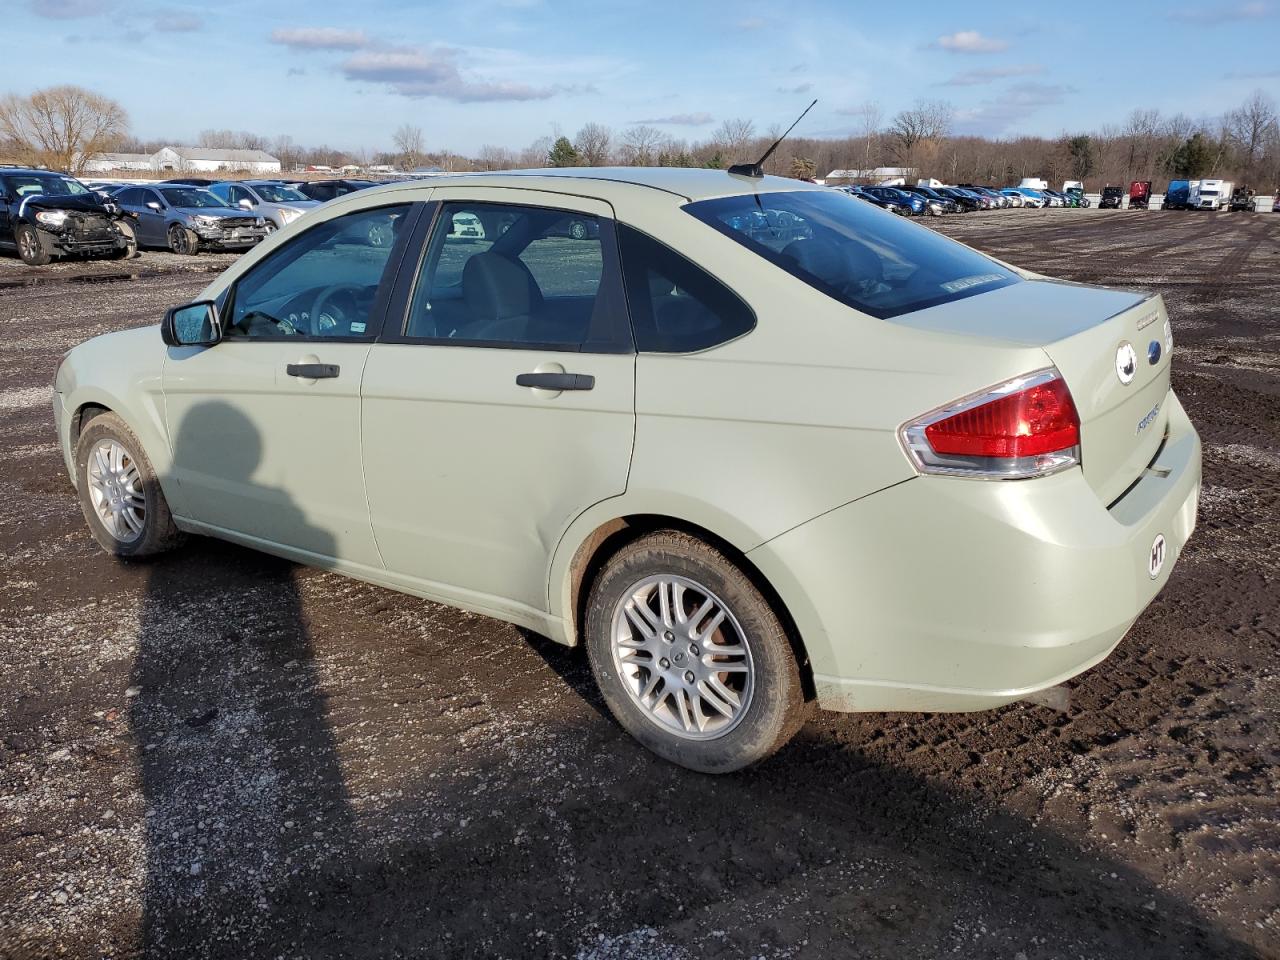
pixel 223 755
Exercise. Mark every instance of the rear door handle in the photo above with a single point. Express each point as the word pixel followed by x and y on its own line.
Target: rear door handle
pixel 312 371
pixel 556 381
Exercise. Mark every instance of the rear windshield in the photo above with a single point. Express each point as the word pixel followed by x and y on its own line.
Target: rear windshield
pixel 867 258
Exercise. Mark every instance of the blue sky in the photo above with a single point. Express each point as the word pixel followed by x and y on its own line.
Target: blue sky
pixel 505 72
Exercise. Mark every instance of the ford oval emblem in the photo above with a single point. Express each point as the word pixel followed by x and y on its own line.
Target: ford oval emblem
pixel 1126 363
pixel 1153 352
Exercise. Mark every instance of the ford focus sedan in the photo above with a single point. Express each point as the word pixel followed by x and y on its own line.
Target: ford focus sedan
pixel 754 444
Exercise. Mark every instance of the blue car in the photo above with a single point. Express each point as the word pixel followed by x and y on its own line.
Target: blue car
pixel 909 203
pixel 1036 198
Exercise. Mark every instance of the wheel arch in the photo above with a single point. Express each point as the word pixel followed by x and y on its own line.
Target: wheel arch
pixel 606 538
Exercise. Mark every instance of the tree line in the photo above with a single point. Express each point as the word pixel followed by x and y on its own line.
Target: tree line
pixel 63 127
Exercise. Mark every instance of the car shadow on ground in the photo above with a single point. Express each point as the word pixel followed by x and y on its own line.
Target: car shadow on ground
pixel 254 847
pixel 819 846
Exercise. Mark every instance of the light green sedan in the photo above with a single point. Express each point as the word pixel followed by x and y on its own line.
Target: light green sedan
pixel 754 443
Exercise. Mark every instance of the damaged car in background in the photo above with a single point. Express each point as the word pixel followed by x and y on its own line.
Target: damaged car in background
pixel 44 214
pixel 188 219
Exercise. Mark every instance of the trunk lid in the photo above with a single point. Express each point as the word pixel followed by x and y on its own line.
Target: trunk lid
pixel 1083 331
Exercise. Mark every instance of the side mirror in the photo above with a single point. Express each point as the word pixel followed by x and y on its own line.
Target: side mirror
pixel 193 325
pixel 154 205
pixel 247 204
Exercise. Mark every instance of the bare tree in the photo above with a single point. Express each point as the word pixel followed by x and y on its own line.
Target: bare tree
pixel 919 131
pixel 592 143
pixel 231 140
pixel 62 127
pixel 495 158
pixel 734 135
pixel 870 120
pixel 410 145
pixel 927 120
pixel 1251 127
pixel 640 145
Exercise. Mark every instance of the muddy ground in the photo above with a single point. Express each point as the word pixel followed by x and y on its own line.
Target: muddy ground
pixel 223 755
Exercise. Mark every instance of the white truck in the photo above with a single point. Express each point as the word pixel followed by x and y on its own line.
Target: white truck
pixel 1210 194
pixel 1034 183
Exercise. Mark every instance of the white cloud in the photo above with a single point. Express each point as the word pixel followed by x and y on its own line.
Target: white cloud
pixel 681 120
pixel 1017 102
pixel 973 77
pixel 419 73
pixel 320 38
pixel 176 21
pixel 69 9
pixel 970 41
pixel 1225 12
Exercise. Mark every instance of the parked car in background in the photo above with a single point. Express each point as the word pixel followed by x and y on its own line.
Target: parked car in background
pixel 1140 194
pixel 1275 204
pixel 1178 195
pixel 998 200
pixel 188 219
pixel 191 181
pixel 1020 199
pixel 276 202
pixel 908 203
pixel 44 215
pixel 1078 199
pixel 932 196
pixel 857 192
pixel 1112 198
pixel 967 201
pixel 1241 199
pixel 322 190
pixel 503 442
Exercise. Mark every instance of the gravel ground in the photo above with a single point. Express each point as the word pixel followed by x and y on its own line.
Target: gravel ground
pixel 220 754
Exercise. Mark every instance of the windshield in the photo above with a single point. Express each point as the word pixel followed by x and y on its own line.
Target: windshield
pixel 49 185
pixel 868 259
pixel 278 193
pixel 190 197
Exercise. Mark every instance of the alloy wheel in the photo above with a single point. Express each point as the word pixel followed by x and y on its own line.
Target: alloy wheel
pixel 682 657
pixel 115 490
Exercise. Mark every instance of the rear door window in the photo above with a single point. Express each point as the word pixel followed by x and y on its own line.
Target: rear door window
pixel 519 277
pixel 676 307
pixel 875 262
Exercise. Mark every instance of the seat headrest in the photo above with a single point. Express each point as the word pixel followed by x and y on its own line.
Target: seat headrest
pixel 496 288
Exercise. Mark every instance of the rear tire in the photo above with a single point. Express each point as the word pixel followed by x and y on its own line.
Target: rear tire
pixel 30 249
pixel 724 691
pixel 120 493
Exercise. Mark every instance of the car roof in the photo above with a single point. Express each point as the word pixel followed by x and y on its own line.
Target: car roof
pixel 606 182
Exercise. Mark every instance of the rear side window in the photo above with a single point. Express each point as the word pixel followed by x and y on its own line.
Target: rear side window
pixel 676 307
pixel 853 252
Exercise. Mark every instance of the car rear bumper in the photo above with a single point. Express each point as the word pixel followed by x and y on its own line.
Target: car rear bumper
pixel 949 594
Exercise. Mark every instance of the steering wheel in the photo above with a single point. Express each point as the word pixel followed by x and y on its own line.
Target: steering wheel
pixel 320 321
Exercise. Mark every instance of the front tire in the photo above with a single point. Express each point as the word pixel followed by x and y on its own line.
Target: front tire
pixel 119 492
pixel 690 656
pixel 182 241
pixel 30 249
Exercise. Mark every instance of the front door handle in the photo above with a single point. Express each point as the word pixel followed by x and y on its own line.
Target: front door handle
pixel 312 371
pixel 556 381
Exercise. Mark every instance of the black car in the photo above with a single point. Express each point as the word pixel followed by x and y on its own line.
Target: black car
pixel 44 214
pixel 192 181
pixel 323 190
pixel 1111 198
pixel 948 205
pixel 968 202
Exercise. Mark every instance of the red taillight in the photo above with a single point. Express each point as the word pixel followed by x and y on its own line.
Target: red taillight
pixel 1035 420
pixel 1025 427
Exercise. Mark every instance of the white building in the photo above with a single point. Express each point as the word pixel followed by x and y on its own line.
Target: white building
pixel 104 162
pixel 201 159
pixel 878 175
